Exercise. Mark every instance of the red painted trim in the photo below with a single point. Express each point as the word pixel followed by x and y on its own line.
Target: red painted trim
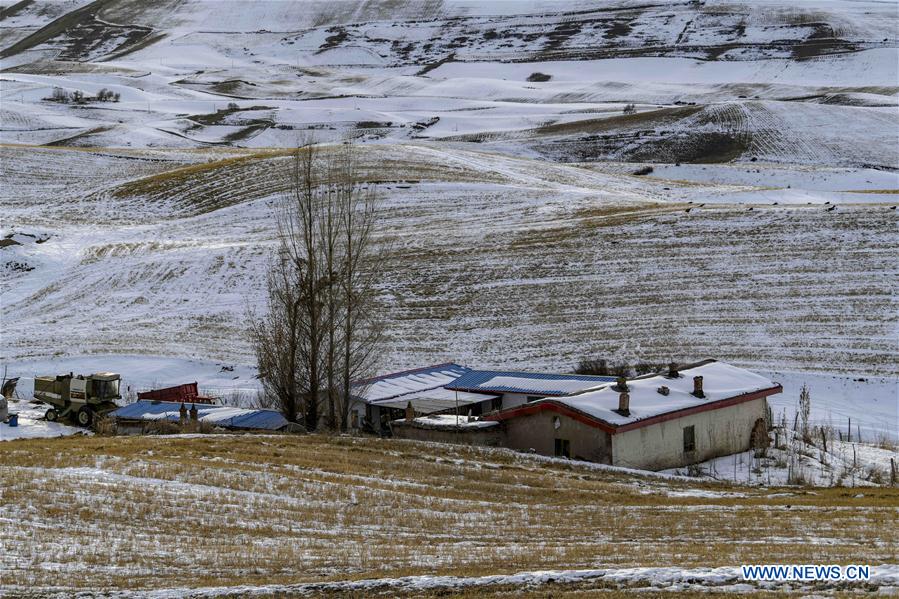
pixel 533 408
pixel 551 405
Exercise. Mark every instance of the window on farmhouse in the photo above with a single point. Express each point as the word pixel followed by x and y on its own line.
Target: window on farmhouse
pixel 689 438
pixel 563 448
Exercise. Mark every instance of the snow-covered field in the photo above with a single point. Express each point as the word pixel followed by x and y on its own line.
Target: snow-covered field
pixel 32 425
pixel 135 231
pixel 559 180
pixel 577 262
pixel 275 515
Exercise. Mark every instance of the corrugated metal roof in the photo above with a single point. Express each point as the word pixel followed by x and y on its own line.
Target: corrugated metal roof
pixel 409 381
pixel 537 383
pixel 434 400
pixel 224 416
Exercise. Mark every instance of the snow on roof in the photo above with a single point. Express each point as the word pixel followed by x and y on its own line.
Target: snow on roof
pixel 225 416
pixel 434 400
pixel 421 379
pixel 449 421
pixel 498 381
pixel 720 381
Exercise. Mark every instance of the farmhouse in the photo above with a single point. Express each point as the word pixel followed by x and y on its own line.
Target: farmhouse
pixel 653 422
pixel 658 421
pixel 451 388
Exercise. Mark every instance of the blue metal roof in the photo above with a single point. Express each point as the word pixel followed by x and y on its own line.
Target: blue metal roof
pixel 224 416
pixel 478 380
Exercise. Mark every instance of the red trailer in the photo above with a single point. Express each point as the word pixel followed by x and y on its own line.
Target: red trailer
pixel 186 393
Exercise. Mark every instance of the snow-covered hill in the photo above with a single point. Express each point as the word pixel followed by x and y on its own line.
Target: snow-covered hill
pixel 504 138
pixel 710 81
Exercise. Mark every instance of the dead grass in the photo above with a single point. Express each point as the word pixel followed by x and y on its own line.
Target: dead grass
pixel 128 511
pixel 644 119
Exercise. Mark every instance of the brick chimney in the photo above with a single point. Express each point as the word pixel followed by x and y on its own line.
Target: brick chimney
pixel 624 404
pixel 410 412
pixel 697 387
pixel 672 370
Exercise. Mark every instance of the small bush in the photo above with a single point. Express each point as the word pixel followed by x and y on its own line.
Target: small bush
pixel 885 442
pixel 198 427
pixel 598 367
pixel 539 77
pixel 798 477
pixel 629 109
pixel 105 426
pixel 875 475
pixel 643 170
pixel 107 95
pixel 162 427
pixel 695 470
pixel 601 367
pixel 60 95
pixel 605 367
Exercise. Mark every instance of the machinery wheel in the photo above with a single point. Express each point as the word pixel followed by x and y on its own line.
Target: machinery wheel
pixel 51 415
pixel 85 416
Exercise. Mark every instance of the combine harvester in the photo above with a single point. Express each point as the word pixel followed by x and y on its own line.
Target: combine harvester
pixel 78 398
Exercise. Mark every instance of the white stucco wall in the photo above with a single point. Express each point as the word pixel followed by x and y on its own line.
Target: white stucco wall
pixel 718 432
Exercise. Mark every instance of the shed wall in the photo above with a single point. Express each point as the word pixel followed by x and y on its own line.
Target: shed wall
pixel 537 432
pixel 490 437
pixel 717 432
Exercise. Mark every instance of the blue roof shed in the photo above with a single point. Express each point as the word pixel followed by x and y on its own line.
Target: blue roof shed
pixel 224 416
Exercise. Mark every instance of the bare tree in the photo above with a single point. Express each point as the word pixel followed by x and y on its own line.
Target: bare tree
pixel 320 326
pixel 275 338
pixel 805 408
pixel 360 324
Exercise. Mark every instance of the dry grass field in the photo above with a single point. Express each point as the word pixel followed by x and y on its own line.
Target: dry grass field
pixel 212 511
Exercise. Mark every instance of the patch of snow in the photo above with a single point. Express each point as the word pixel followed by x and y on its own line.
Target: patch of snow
pixel 450 421
pixel 723 579
pixel 32 425
pixel 535 384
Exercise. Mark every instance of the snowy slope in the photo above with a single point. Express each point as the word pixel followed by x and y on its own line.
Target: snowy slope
pixel 381 71
pixel 511 205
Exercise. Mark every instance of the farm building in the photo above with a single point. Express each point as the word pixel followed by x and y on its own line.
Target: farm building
pixel 653 422
pixel 448 388
pixel 379 400
pixel 449 428
pixel 659 421
pixel 141 415
pixel 515 388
